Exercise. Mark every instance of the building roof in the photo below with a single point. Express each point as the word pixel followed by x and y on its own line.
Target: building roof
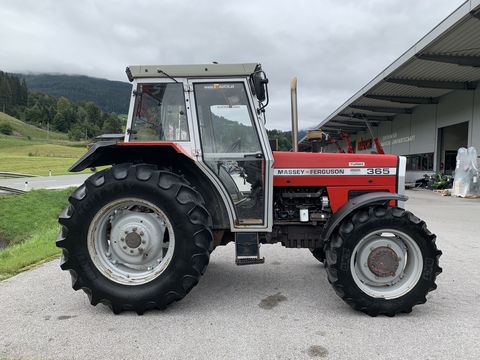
pixel 444 60
pixel 197 70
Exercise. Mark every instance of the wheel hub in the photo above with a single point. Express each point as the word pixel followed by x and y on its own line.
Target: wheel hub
pixel 386 263
pixel 383 261
pixel 137 238
pixel 133 240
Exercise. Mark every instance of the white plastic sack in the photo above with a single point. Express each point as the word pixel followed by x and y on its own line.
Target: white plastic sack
pixel 466 180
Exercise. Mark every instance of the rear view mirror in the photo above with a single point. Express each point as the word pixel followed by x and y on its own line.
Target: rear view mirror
pixel 259 81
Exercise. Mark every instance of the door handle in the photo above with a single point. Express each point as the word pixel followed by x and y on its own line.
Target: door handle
pixel 255 155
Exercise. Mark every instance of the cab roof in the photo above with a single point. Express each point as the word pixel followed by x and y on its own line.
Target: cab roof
pixel 190 71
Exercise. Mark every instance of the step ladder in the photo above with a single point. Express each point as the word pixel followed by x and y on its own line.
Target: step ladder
pixel 247 249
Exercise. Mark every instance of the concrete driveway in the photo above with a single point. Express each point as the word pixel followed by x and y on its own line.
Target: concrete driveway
pixel 284 309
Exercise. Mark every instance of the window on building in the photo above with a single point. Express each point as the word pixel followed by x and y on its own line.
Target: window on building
pixel 420 162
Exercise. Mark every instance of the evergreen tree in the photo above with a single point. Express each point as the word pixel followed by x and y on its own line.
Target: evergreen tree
pixel 112 125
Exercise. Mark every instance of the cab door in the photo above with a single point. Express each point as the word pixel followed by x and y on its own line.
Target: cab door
pixel 234 149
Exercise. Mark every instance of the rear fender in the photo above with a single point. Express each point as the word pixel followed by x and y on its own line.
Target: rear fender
pixel 357 203
pixel 112 152
pixel 166 155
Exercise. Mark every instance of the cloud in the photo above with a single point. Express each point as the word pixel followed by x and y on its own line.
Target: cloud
pixel 333 47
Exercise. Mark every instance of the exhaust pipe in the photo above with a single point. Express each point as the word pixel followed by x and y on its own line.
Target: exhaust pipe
pixel 293 104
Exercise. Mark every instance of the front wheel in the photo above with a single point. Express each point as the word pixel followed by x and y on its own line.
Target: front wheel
pixel 382 260
pixel 135 238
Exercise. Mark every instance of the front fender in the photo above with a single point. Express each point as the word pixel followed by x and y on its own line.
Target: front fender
pixel 357 203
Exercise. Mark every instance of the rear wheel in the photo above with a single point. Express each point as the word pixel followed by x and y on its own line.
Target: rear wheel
pixel 382 260
pixel 135 238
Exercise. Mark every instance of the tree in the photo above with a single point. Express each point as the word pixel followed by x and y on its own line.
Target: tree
pixel 6 128
pixel 93 114
pixel 65 115
pixel 76 132
pixel 34 115
pixel 284 139
pixel 24 93
pixel 81 121
pixel 112 125
pixel 63 104
pixel 13 93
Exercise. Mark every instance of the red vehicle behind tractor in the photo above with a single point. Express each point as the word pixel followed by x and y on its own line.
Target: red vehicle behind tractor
pixel 196 171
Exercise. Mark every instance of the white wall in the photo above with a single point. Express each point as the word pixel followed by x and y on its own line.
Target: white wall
pixel 474 129
pixel 424 129
pixel 454 108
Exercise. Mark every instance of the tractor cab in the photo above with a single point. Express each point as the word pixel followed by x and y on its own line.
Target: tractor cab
pixel 213 113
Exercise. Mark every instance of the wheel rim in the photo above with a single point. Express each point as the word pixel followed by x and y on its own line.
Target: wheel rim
pixel 386 264
pixel 131 241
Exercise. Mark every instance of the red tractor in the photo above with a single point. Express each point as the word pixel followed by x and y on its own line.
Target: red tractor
pixel 195 171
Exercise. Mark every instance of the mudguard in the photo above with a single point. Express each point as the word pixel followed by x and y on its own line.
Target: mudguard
pixel 113 152
pixel 356 203
pixel 164 154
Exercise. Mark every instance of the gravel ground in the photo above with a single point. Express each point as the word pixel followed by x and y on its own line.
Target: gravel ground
pixel 284 309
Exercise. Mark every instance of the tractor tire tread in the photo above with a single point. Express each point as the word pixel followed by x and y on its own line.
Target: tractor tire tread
pixel 334 262
pixel 184 195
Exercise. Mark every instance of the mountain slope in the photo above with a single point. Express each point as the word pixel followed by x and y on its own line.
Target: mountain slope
pixel 23 129
pixel 110 96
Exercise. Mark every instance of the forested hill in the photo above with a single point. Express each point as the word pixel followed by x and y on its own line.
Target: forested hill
pixel 109 96
pixel 79 119
pixel 81 106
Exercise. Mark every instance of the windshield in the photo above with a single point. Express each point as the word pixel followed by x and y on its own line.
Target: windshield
pixel 159 113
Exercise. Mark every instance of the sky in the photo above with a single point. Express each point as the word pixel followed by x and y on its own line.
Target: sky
pixel 333 47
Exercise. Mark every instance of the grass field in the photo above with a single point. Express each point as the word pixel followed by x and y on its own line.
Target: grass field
pixel 28 151
pixel 22 129
pixel 37 157
pixel 28 224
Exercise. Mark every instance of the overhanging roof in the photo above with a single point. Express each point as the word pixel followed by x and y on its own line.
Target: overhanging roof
pixel 444 60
